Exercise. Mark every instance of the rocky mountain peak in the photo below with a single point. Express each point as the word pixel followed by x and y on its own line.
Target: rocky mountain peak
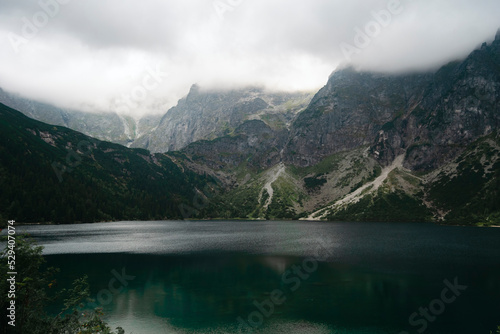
pixel 194 90
pixel 496 43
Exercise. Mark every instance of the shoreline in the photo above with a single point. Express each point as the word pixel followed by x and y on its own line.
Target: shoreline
pixel 229 219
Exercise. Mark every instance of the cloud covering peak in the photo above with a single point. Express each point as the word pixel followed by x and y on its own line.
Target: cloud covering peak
pixel 140 57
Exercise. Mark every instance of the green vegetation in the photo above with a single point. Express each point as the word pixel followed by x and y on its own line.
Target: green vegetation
pixel 345 181
pixel 410 179
pixel 54 174
pixel 471 196
pixel 384 206
pixel 359 166
pixel 35 287
pixel 241 202
pixel 284 197
pixel 326 166
pixel 274 121
pixel 314 182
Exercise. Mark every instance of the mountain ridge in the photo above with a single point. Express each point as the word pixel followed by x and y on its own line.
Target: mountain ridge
pixel 54 174
pixel 329 158
pixel 209 114
pixel 430 119
pixel 108 126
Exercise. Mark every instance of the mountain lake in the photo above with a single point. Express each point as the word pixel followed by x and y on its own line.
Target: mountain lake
pixel 282 276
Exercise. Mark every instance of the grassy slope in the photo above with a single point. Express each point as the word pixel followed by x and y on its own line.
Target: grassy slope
pixel 469 191
pixel 465 191
pixel 104 181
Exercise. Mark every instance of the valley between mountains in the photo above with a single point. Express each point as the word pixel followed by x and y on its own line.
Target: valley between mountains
pixel 366 147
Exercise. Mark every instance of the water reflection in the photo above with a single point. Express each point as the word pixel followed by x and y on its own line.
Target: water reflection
pixel 200 294
pixel 199 277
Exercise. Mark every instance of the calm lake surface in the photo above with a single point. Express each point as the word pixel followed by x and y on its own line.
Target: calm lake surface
pixel 283 277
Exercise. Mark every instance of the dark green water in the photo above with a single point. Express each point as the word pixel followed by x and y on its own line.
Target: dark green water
pixel 205 277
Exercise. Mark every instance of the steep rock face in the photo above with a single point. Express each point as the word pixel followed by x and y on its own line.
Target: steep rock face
pixel 461 105
pixel 378 147
pixel 253 143
pixel 206 115
pixel 367 147
pixel 349 112
pixel 430 117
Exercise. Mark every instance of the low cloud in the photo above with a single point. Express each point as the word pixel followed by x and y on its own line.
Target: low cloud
pixel 88 54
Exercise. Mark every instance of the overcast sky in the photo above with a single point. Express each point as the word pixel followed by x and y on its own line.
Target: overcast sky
pixel 142 56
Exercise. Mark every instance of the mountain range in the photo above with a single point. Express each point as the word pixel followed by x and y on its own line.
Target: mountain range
pixel 108 126
pixel 366 147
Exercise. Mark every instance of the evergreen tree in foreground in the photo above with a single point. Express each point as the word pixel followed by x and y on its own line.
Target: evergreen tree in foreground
pixel 34 292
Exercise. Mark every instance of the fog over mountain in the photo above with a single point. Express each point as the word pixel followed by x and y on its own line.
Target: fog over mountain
pixel 142 57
